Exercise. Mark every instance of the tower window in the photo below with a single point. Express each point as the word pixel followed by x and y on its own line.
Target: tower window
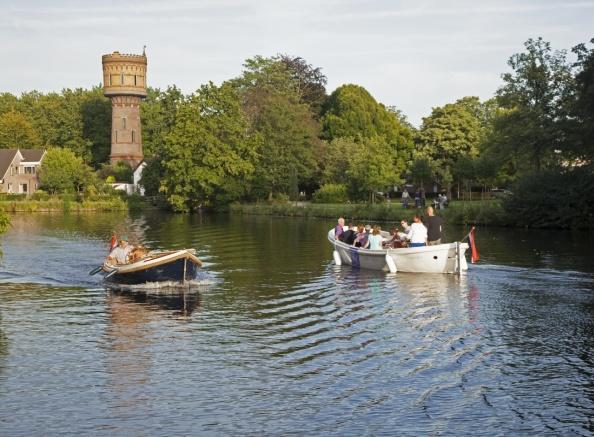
pixel 116 136
pixel 133 136
pixel 122 79
pixel 135 84
pixel 123 122
pixel 110 80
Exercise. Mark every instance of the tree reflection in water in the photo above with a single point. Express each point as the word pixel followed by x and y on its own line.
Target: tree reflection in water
pixel 132 334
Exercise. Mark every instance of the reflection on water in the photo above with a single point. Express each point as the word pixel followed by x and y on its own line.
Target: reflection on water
pixel 285 342
pixel 182 303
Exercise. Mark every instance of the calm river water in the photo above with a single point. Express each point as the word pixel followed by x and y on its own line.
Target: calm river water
pixel 283 342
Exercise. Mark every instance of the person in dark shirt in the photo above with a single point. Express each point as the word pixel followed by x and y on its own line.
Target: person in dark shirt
pixel 434 226
pixel 348 236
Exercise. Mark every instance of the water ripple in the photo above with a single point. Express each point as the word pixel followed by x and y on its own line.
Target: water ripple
pixel 284 342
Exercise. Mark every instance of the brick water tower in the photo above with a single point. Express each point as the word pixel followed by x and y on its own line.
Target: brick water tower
pixel 124 82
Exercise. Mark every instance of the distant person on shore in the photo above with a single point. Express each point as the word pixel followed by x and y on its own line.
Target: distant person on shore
pixel 442 201
pixel 339 229
pixel 418 233
pixel 405 198
pixel 434 227
pixel 417 199
pixel 436 202
pixel 375 239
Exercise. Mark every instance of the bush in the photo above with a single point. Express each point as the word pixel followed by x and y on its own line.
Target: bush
pixel 40 195
pixel 553 199
pixel 120 171
pixel 331 193
pixel 4 222
pixel 12 197
pixel 489 212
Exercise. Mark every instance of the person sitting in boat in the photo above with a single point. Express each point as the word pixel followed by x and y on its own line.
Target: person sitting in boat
pixel 361 238
pixel 348 236
pixel 339 228
pixel 375 239
pixel 418 233
pixel 403 235
pixel 119 255
pixel 394 241
pixel 137 253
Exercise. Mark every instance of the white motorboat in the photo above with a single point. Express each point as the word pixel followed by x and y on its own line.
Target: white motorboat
pixel 441 258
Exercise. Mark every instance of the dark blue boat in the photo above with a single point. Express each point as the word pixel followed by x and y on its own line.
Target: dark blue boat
pixel 177 266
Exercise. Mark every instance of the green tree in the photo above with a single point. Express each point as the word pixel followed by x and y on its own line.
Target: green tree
pixel 274 95
pixel 158 114
pixel 289 142
pixel 121 172
pixel 63 172
pixel 351 111
pixel 421 171
pixel 16 131
pixel 311 82
pixel 464 173
pixel 337 160
pixel 486 170
pixel 58 121
pixel 452 131
pixel 375 167
pixel 208 155
pixel 95 113
pixel 580 120
pixel 533 94
pixel 151 176
pixel 9 102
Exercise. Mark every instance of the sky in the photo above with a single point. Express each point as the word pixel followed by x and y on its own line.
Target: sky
pixel 414 55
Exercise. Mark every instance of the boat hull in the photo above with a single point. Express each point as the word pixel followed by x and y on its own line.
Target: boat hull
pixel 173 271
pixel 179 266
pixel 442 258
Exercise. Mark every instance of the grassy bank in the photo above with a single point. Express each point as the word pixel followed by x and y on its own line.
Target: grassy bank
pixel 464 213
pixel 73 204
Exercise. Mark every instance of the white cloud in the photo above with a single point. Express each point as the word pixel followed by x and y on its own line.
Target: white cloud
pixel 412 54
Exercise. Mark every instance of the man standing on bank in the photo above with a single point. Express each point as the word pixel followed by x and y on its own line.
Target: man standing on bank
pixel 434 227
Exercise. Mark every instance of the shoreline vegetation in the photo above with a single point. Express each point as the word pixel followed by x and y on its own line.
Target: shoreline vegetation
pixel 69 203
pixel 487 212
pixel 492 212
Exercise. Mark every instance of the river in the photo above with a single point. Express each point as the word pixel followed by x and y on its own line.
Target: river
pixel 283 342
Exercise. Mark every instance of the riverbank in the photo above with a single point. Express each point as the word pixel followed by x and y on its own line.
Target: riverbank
pixel 74 204
pixel 489 212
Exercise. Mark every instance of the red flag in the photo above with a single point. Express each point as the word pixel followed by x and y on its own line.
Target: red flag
pixel 113 243
pixel 474 252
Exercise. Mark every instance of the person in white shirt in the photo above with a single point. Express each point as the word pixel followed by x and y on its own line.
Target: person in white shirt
pixel 120 254
pixel 418 233
pixel 405 198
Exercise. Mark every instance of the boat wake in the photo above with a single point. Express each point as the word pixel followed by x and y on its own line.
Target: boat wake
pixel 164 287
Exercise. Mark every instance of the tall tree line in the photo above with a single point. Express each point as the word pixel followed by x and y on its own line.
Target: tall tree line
pixel 273 132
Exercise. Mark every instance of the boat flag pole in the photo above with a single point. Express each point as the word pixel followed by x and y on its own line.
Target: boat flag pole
pixel 474 255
